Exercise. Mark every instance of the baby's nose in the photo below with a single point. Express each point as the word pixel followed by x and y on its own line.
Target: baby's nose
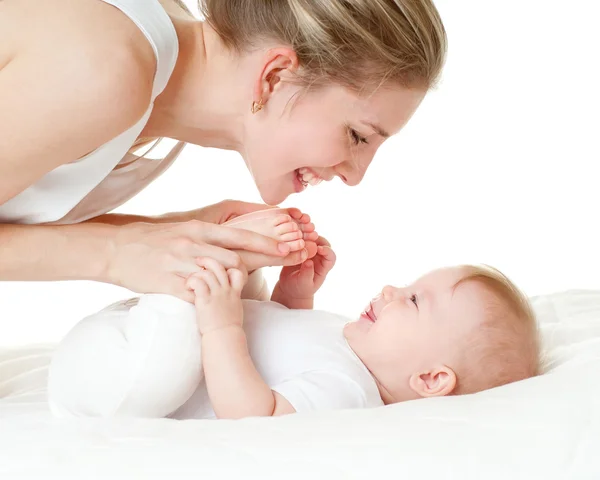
pixel 390 293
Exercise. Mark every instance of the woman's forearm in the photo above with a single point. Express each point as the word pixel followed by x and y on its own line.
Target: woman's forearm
pixel 41 253
pixel 119 219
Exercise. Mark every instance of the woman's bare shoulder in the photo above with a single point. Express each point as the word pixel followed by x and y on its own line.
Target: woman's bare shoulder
pixel 91 33
pixel 78 77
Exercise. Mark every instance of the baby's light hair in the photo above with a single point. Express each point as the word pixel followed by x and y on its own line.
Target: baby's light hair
pixel 504 348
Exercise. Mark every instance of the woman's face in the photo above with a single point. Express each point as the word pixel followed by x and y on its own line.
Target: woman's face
pixel 324 133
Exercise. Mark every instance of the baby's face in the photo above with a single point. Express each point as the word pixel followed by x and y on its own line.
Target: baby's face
pixel 407 336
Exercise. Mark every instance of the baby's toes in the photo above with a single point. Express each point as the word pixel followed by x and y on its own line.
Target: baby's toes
pixel 290 237
pixel 305 218
pixel 287 227
pixel 307 227
pixel 279 220
pixel 311 236
pixel 295 245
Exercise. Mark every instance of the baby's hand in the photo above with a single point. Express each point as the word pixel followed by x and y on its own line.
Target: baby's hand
pixel 218 292
pixel 302 281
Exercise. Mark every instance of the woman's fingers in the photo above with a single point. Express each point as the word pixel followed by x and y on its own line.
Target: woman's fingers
pixel 225 257
pixel 178 286
pixel 239 239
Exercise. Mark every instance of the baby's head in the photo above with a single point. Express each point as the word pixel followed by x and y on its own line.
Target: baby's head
pixel 454 331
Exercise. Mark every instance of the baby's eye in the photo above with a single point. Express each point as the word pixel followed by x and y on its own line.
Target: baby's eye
pixel 414 299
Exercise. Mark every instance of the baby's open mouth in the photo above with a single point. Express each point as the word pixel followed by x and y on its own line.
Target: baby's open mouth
pixel 369 314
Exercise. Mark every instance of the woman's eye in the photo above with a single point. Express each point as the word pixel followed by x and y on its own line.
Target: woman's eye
pixel 357 137
pixel 415 300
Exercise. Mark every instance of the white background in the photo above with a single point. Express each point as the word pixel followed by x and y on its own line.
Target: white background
pixel 499 166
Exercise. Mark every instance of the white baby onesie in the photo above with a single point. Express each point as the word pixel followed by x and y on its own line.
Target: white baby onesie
pixel 142 358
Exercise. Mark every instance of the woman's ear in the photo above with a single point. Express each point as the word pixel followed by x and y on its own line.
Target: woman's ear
pixel 278 64
pixel 436 382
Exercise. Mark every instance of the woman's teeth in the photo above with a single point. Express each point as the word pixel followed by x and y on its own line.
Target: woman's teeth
pixel 306 177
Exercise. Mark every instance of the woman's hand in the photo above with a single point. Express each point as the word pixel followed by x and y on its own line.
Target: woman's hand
pixel 158 258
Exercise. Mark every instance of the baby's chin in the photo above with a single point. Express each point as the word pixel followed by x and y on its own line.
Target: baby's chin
pixel 356 328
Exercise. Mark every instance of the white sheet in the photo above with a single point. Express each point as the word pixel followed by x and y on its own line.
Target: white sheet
pixel 547 427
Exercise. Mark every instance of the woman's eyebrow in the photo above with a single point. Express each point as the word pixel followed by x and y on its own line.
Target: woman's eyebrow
pixel 378 129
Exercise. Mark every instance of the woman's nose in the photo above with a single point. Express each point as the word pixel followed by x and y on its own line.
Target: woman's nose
pixel 353 171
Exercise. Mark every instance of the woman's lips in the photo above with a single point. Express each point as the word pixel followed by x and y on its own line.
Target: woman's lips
pixel 309 176
pixel 298 185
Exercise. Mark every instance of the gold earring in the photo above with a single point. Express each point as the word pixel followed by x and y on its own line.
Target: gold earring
pixel 257 107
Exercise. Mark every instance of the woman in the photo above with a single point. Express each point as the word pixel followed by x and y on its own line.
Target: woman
pixel 304 90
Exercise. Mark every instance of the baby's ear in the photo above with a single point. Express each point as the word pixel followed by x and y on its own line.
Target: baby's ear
pixel 436 382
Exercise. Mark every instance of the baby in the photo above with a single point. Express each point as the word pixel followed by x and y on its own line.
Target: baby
pixel 454 331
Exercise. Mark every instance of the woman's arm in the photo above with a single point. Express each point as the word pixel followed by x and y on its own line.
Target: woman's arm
pixel 37 253
pixel 218 213
pixel 142 257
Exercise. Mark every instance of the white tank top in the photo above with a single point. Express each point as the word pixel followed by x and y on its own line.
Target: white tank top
pixel 110 175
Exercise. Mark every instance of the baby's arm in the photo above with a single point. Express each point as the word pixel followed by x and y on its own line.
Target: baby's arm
pixel 298 284
pixel 235 387
pixel 292 303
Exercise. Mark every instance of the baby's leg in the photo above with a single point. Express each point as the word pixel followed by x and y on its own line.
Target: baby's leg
pixel 135 359
pixel 256 287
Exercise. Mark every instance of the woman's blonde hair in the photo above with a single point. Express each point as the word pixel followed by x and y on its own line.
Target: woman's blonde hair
pixel 354 43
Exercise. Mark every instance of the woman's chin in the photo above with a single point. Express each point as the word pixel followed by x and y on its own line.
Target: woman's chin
pixel 273 196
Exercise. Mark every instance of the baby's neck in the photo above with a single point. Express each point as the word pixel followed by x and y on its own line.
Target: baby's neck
pixel 385 395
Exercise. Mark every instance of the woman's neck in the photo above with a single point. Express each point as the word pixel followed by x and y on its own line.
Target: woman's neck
pixel 203 100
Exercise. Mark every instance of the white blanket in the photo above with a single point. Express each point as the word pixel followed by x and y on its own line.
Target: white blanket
pixel 547 427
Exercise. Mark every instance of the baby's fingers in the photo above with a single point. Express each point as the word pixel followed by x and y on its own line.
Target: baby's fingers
pixel 306 274
pixel 237 279
pixel 325 260
pixel 197 284
pixel 215 268
pixel 323 242
pixel 326 253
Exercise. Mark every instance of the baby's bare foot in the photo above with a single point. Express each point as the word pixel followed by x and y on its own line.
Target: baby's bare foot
pixel 294 228
pixel 280 227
